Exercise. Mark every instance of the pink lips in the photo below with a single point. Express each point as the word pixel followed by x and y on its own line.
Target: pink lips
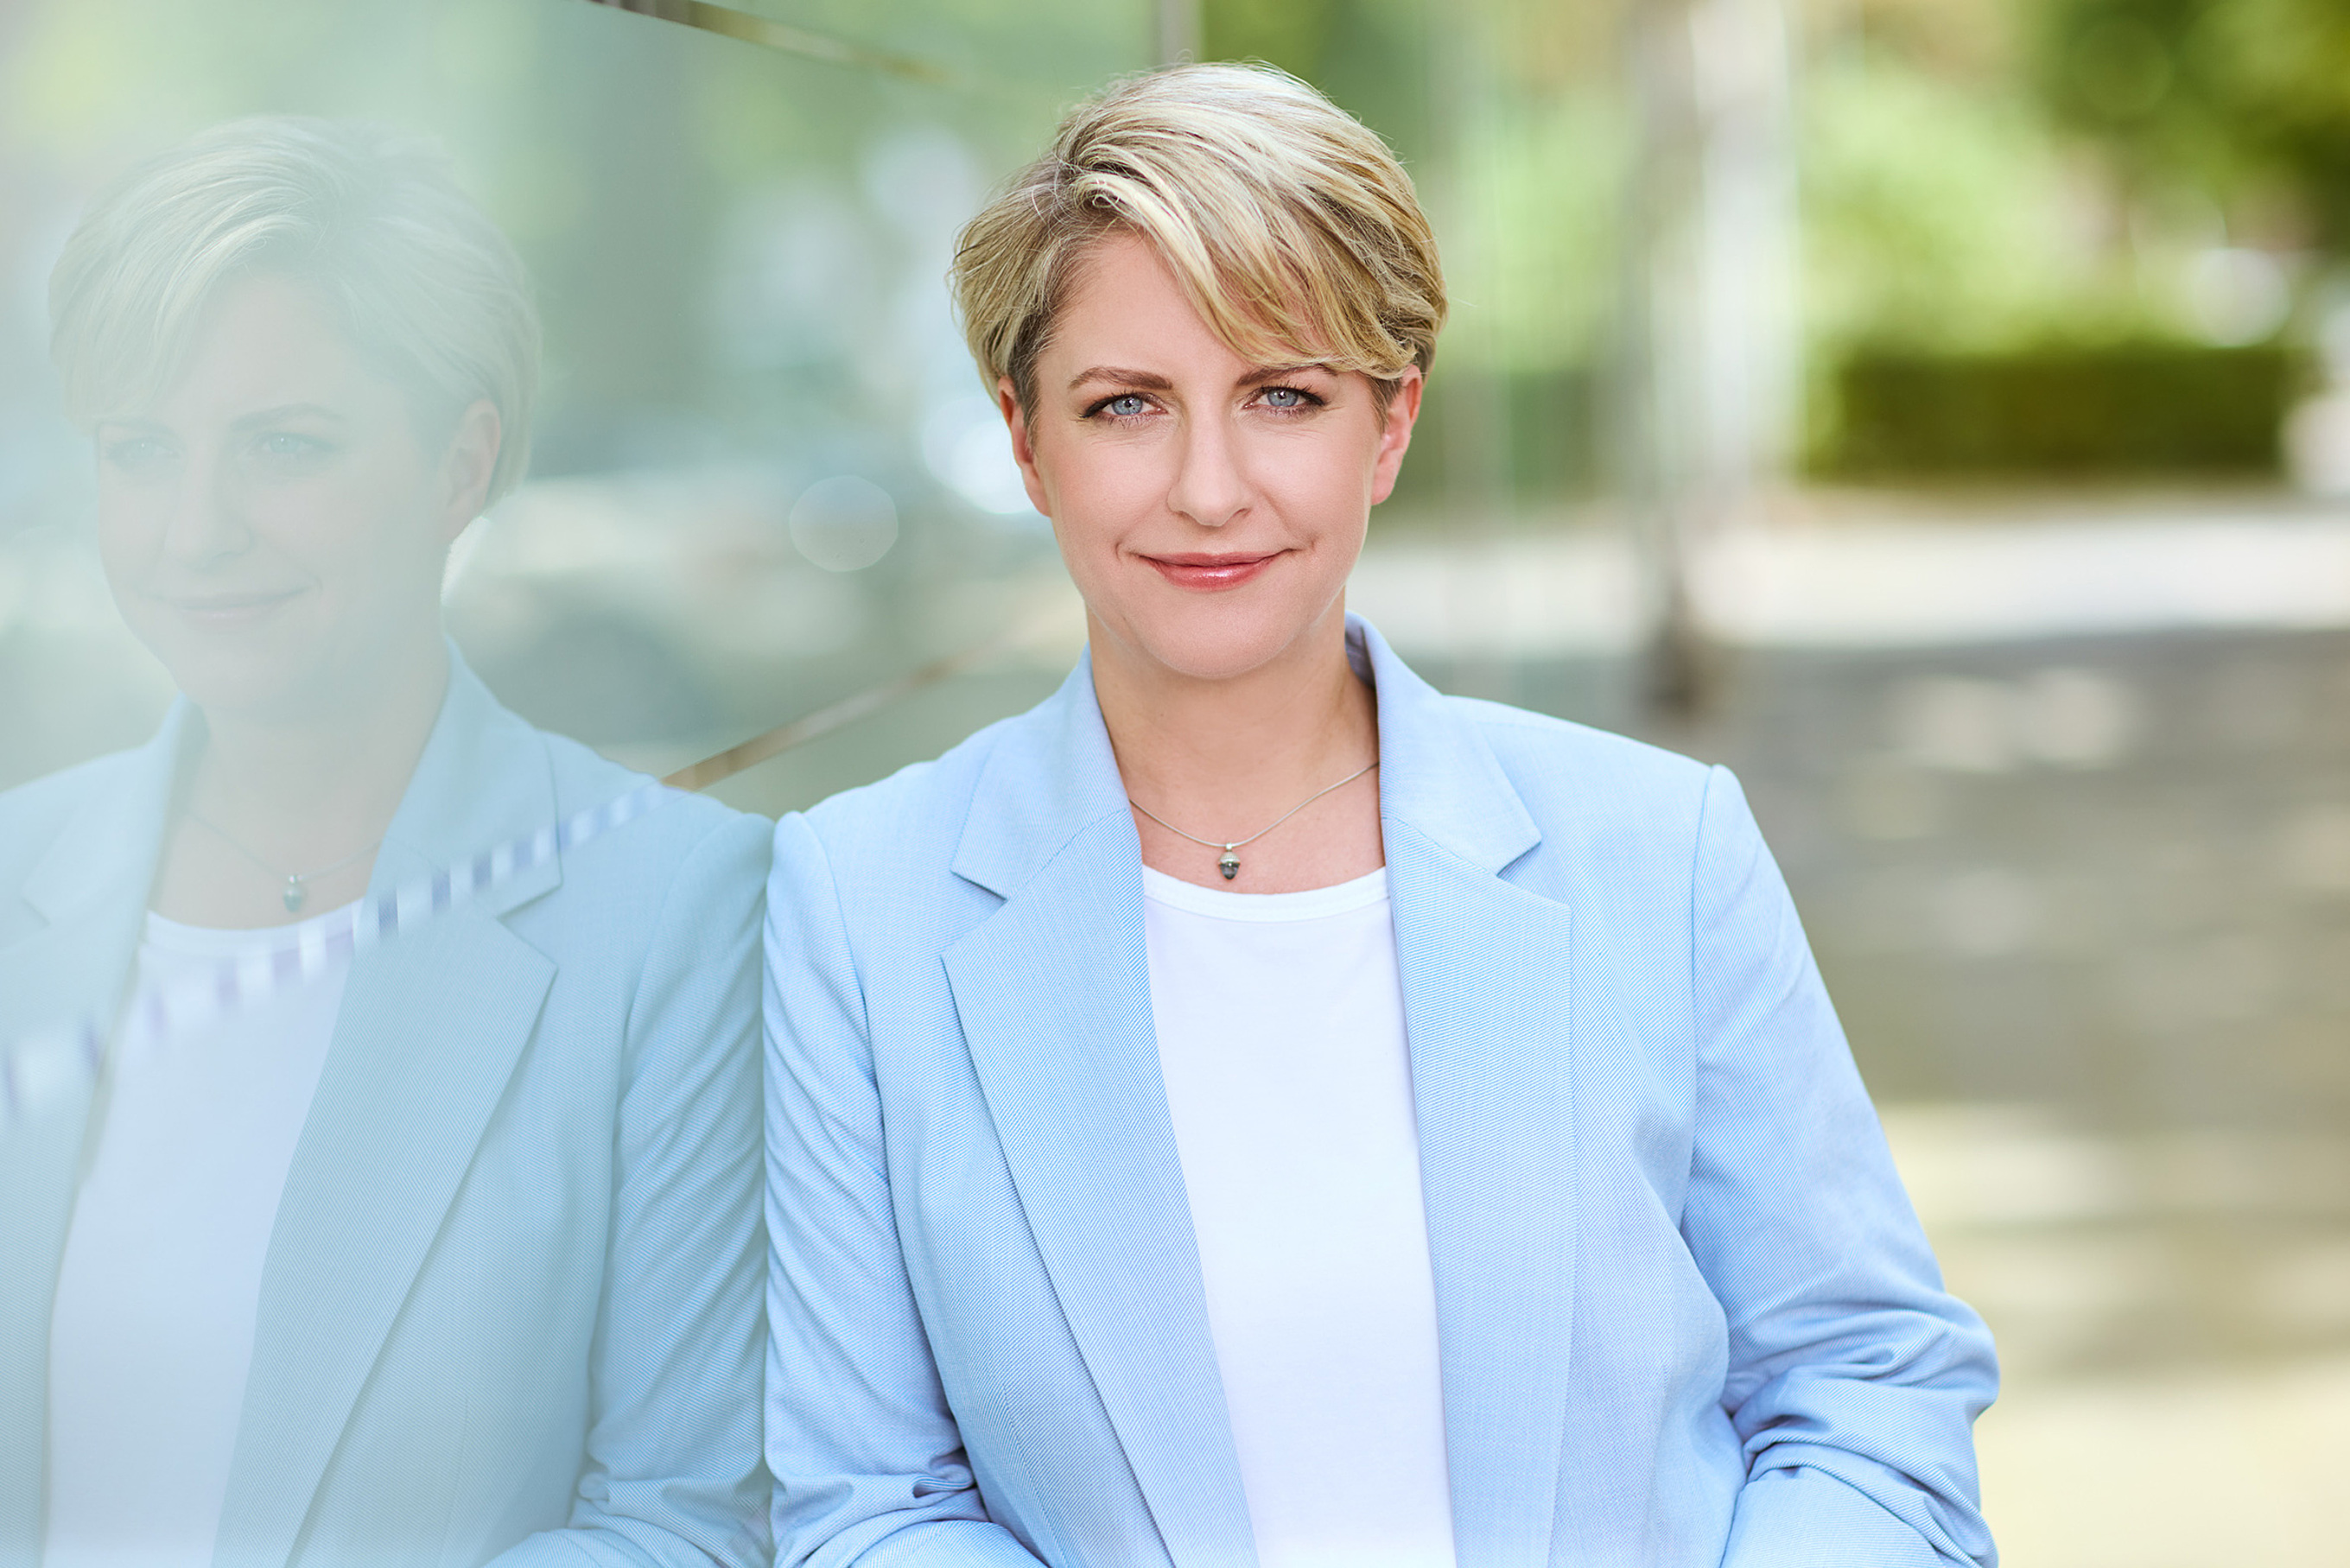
pixel 1208 573
pixel 224 612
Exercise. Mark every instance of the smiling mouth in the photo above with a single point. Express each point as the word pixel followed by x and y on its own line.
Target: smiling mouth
pixel 230 609
pixel 1208 572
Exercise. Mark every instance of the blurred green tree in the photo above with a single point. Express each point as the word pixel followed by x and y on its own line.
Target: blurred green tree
pixel 2248 100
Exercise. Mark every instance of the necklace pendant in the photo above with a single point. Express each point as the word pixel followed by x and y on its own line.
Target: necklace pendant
pixel 293 894
pixel 1230 864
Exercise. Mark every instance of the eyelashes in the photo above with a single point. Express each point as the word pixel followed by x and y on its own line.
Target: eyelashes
pixel 285 452
pixel 1304 401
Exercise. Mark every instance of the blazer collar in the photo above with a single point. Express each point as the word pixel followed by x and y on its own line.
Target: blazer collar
pixel 105 852
pixel 432 1026
pixel 1437 774
pixel 1048 779
pixel 59 980
pixel 484 780
pixel 1053 991
pixel 1055 775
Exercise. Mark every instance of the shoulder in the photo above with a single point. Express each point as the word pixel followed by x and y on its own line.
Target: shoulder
pixel 1616 818
pixel 584 779
pixel 56 796
pixel 910 820
pixel 34 813
pixel 1572 775
pixel 680 858
pixel 877 863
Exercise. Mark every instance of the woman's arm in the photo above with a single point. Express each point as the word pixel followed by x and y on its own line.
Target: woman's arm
pixel 1853 1378
pixel 673 1474
pixel 868 1463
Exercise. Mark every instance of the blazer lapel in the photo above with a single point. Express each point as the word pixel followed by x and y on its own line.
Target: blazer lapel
pixel 1484 972
pixel 61 986
pixel 433 1023
pixel 1054 995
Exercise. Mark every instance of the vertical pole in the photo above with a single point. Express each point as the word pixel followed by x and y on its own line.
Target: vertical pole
pixel 1180 30
pixel 1709 361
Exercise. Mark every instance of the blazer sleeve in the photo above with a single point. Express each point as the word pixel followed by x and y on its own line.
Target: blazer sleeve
pixel 674 1474
pixel 1853 1378
pixel 870 1466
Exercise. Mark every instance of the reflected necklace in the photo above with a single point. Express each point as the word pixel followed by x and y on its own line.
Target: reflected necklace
pixel 293 893
pixel 1230 864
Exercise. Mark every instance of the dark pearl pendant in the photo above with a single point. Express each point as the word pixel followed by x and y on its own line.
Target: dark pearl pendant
pixel 293 895
pixel 1230 864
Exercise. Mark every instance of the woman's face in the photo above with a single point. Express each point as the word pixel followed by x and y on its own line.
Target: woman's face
pixel 272 525
pixel 1209 508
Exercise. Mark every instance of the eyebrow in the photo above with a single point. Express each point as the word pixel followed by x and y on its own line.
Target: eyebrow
pixel 286 411
pixel 244 422
pixel 1281 372
pixel 1152 381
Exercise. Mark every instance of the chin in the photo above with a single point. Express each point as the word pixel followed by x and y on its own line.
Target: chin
pixel 254 675
pixel 1226 637
pixel 222 685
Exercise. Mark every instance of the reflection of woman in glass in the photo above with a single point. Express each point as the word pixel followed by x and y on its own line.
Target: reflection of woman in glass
pixel 440 1245
pixel 1253 1108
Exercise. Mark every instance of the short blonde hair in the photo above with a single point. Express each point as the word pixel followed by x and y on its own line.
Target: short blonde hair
pixel 427 288
pixel 1293 230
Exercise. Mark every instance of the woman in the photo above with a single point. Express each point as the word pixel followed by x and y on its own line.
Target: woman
pixel 437 1245
pixel 1252 1108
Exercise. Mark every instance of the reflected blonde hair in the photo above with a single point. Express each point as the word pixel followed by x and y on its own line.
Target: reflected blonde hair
pixel 1292 229
pixel 427 287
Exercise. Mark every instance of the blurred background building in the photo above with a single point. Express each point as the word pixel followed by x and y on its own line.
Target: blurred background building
pixel 1937 410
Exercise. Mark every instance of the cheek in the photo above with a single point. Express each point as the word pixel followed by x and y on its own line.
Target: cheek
pixel 1096 479
pixel 1099 490
pixel 352 529
pixel 130 524
pixel 1321 487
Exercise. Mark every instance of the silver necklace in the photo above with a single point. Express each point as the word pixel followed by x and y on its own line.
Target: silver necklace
pixel 1230 864
pixel 293 894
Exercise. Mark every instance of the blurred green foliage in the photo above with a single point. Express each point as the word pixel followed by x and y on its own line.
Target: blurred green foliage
pixel 2149 407
pixel 2041 232
pixel 1978 177
pixel 2248 100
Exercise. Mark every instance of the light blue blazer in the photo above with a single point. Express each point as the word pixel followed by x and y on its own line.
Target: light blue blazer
pixel 1686 1315
pixel 511 1305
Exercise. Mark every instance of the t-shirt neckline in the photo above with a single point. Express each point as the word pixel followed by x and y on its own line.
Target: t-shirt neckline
pixel 1311 904
pixel 230 941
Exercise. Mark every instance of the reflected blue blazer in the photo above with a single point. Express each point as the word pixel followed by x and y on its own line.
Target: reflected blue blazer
pixel 1686 1315
pixel 511 1305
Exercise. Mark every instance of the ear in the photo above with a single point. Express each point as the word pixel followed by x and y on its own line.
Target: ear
pixel 468 465
pixel 1394 432
pixel 1024 445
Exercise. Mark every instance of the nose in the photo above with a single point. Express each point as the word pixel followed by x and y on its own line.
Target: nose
pixel 205 523
pixel 1210 486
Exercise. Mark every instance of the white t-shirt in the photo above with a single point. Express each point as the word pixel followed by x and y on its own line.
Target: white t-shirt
pixel 1281 1038
pixel 151 1334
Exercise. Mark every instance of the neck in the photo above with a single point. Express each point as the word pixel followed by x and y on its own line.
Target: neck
pixel 1225 752
pixel 308 788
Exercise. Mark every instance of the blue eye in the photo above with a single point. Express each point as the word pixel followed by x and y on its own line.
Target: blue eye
pixel 1126 405
pixel 287 452
pixel 137 454
pixel 1283 398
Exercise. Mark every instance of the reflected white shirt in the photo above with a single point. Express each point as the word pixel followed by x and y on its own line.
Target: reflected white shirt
pixel 152 1331
pixel 1281 1039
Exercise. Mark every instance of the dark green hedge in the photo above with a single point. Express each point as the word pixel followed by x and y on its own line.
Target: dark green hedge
pixel 2135 408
